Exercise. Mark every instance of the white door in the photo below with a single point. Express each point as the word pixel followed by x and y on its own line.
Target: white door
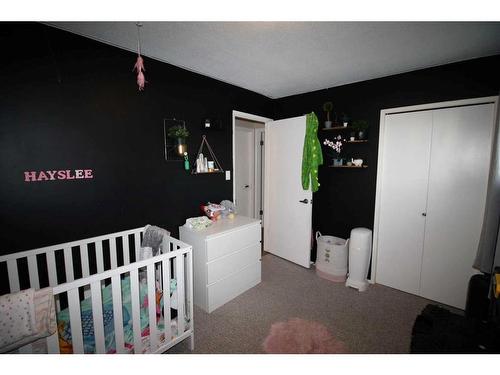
pixel 287 207
pixel 458 177
pixel 406 150
pixel 244 170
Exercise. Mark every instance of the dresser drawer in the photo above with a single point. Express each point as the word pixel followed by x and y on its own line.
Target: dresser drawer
pixel 232 241
pixel 230 287
pixel 226 265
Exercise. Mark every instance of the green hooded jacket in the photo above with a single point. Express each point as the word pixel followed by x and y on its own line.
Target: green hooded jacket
pixel 312 156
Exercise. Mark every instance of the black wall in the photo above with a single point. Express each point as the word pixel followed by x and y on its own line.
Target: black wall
pixel 67 102
pixel 346 198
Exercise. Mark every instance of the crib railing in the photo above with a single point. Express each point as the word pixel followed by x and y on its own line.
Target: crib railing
pixel 64 261
pixel 161 264
pixel 67 271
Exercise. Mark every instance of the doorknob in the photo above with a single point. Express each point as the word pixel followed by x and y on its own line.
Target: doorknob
pixel 246 186
pixel 304 201
pixel 424 213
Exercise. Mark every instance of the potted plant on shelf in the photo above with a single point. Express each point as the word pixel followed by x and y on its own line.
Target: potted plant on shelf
pixel 360 127
pixel 328 107
pixel 345 120
pixel 336 145
pixel 179 133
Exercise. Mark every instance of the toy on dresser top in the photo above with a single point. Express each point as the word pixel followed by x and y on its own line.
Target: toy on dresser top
pixel 216 211
pixel 213 212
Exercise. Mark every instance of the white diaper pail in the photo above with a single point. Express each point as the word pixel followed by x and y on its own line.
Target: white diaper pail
pixel 331 259
pixel 360 250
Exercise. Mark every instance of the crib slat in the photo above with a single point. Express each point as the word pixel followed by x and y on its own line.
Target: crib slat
pixel 126 250
pixel 98 256
pixel 189 307
pixel 68 264
pixel 75 321
pixel 84 255
pixel 179 260
pixel 53 344
pixel 13 275
pixel 33 271
pixel 189 286
pixel 51 268
pixel 137 239
pixel 136 311
pixel 165 265
pixel 112 252
pixel 95 288
pixel 173 269
pixel 118 313
pixel 153 328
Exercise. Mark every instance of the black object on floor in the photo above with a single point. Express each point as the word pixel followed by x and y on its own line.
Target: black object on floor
pixel 437 330
pixel 478 303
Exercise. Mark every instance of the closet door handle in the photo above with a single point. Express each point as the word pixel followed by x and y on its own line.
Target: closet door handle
pixel 304 201
pixel 424 213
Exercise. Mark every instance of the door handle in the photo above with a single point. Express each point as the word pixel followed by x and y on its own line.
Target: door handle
pixel 424 213
pixel 305 201
pixel 246 186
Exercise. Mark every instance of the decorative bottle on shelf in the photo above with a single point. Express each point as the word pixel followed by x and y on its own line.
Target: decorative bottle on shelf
pixel 186 161
pixel 199 163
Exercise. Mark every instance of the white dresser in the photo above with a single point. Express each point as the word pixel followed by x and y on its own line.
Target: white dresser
pixel 226 259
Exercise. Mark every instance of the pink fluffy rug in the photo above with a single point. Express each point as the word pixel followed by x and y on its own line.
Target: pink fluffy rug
pixel 301 336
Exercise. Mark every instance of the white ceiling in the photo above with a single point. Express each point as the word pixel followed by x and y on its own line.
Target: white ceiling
pixel 278 59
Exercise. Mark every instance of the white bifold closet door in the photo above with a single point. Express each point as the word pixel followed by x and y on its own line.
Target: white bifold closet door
pixel 434 170
pixel 407 142
pixel 458 178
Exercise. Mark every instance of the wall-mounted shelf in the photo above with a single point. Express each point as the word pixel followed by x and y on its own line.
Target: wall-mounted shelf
pixel 216 165
pixel 337 128
pixel 347 166
pixel 214 172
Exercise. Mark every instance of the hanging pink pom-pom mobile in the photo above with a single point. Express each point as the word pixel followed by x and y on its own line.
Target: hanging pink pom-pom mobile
pixel 139 64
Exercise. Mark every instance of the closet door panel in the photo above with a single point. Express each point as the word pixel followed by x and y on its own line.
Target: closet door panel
pixel 406 150
pixel 460 159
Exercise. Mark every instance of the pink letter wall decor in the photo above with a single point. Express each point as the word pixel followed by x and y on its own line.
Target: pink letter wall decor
pixel 63 174
pixel 29 176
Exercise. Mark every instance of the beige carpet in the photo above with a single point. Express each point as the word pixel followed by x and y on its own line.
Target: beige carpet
pixel 376 321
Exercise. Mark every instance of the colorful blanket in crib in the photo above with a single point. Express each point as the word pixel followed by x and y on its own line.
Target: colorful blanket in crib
pixel 64 326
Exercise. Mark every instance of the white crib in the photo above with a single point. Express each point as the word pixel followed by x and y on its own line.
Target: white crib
pixel 83 269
